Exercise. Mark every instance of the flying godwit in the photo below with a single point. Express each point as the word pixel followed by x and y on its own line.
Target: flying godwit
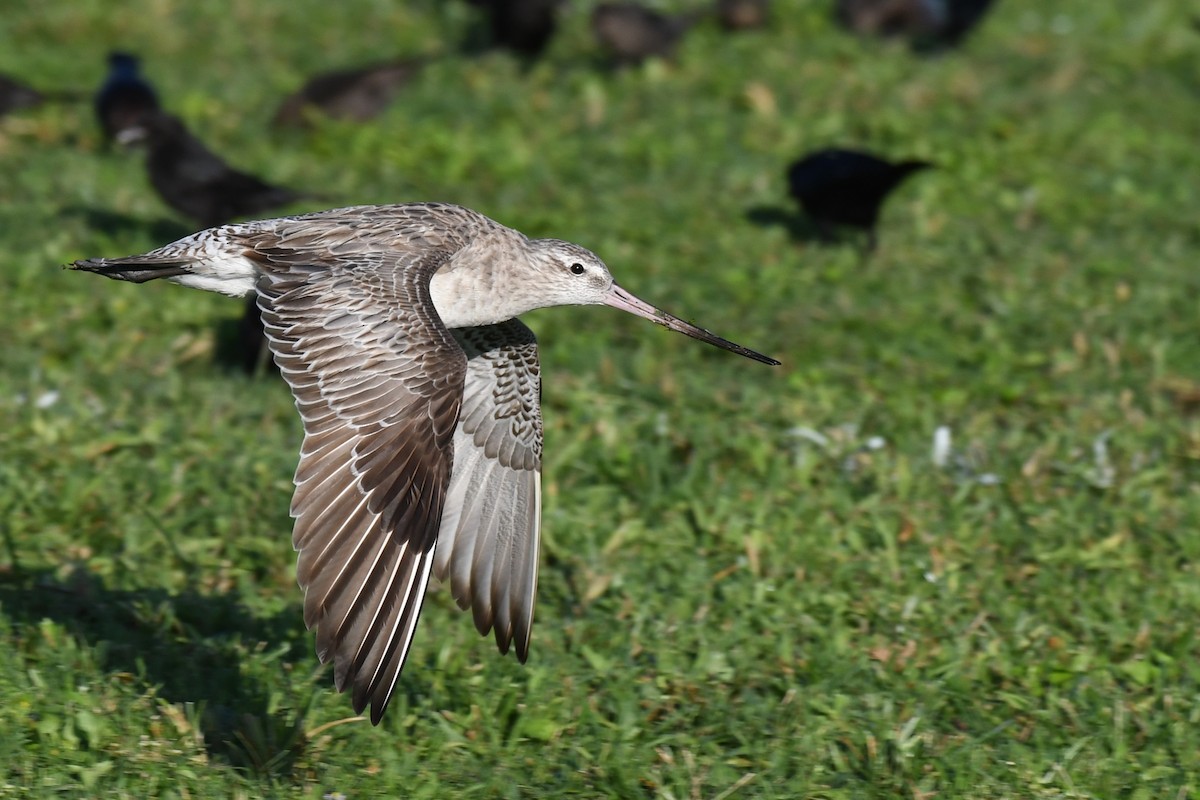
pixel 395 327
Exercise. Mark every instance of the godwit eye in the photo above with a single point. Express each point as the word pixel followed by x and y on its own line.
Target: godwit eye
pixel 577 268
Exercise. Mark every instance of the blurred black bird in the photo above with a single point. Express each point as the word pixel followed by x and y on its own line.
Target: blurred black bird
pixel 194 181
pixel 927 24
pixel 124 99
pixel 846 187
pixel 738 15
pixel 15 95
pixel 632 33
pixel 523 26
pixel 356 94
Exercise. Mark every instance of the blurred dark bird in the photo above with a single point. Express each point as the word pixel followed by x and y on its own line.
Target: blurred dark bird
pixel 963 16
pixel 926 23
pixel 522 26
pixel 124 99
pixel 739 15
pixel 632 33
pixel 197 183
pixel 194 181
pixel 15 95
pixel 846 187
pixel 357 94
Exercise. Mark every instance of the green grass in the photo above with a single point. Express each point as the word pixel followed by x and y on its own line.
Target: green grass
pixel 729 605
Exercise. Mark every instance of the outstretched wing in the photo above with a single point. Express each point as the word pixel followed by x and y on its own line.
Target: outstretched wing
pixel 378 380
pixel 488 545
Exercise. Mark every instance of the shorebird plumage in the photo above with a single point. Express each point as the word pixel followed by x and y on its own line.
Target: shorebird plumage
pixel 395 328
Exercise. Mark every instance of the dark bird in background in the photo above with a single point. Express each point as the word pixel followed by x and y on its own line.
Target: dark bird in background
pixel 357 94
pixel 963 16
pixel 124 99
pixel 15 95
pixel 194 181
pixel 928 24
pixel 631 33
pixel 846 187
pixel 522 26
pixel 740 15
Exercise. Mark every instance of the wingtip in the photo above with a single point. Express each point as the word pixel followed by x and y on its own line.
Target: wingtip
pixel 359 704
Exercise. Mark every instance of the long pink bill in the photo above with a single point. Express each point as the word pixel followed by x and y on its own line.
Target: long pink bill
pixel 619 298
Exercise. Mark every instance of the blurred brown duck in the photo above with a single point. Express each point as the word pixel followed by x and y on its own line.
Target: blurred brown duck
pixel 740 15
pixel 356 94
pixel 926 23
pixel 631 33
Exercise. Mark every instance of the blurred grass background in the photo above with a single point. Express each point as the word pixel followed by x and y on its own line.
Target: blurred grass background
pixel 756 582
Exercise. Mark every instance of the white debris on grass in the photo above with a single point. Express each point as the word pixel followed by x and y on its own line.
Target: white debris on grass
pixel 967 464
pixel 1103 473
pixel 803 438
pixel 809 434
pixel 941 446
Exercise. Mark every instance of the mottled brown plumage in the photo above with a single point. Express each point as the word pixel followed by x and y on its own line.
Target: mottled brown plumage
pixel 420 395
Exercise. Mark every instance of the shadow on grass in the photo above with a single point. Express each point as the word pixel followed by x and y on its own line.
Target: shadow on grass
pixel 242 344
pixel 121 226
pixel 798 226
pixel 803 230
pixel 187 644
